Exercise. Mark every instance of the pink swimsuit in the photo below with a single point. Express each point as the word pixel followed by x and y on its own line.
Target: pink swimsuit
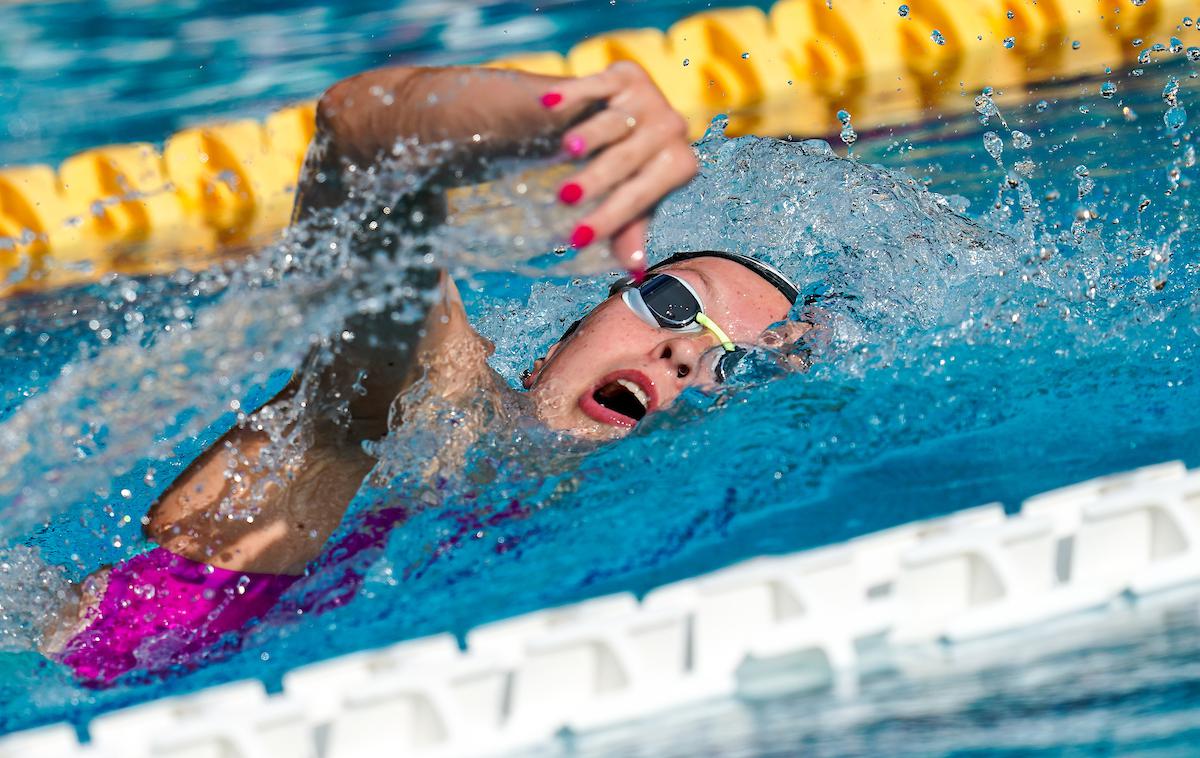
pixel 161 610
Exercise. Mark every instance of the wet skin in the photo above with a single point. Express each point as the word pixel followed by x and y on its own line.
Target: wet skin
pixel 613 344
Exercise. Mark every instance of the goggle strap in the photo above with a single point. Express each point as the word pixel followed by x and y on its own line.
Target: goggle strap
pixel 706 322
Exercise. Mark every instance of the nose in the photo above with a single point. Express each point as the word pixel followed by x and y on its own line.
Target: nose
pixel 681 355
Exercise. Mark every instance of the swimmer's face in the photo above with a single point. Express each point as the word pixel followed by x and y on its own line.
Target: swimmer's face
pixel 615 368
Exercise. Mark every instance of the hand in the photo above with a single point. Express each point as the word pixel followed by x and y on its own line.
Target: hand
pixel 640 153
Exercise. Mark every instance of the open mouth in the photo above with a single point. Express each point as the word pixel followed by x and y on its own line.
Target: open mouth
pixel 622 398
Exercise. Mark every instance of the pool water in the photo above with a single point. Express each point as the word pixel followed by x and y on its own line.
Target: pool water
pixel 1047 336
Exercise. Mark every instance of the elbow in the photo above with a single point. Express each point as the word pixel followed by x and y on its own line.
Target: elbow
pixel 331 107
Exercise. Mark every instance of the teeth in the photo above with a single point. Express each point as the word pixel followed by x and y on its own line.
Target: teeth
pixel 641 396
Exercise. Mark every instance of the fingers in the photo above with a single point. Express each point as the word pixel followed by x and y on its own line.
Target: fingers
pixel 574 95
pixel 614 165
pixel 640 153
pixel 629 247
pixel 633 199
pixel 599 131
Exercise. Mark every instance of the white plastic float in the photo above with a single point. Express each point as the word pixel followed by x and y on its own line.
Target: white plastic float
pixel 919 595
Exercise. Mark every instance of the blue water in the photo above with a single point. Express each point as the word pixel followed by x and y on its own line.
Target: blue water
pixel 961 361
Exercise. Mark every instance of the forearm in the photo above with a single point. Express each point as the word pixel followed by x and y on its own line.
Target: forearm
pixel 237 507
pixel 366 115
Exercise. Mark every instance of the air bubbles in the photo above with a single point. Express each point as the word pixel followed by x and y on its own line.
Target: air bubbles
pixel 937 37
pixel 1075 45
pixel 1107 90
pixel 1010 42
pixel 1021 140
pixel 687 61
pixel 903 11
pixel 1176 45
pixel 1137 3
pixel 745 56
pixel 1192 54
pixel 1011 15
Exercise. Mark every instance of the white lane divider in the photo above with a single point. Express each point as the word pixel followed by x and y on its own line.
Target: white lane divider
pixel 812 619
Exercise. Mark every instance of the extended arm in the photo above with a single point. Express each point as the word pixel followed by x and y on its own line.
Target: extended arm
pixel 640 154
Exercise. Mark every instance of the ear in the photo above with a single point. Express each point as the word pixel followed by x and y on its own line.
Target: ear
pixel 529 376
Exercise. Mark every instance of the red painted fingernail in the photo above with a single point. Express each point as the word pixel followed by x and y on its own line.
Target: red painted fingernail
pixel 582 236
pixel 576 146
pixel 637 266
pixel 570 193
pixel 551 99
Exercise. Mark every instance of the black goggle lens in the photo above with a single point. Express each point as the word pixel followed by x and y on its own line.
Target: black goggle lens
pixel 670 301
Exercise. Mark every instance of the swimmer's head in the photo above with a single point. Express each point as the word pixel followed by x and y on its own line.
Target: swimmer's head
pixel 633 355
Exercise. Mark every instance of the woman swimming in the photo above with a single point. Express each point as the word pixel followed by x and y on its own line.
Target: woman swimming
pixel 238 527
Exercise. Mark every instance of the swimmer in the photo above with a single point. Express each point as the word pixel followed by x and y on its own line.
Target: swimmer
pixel 680 323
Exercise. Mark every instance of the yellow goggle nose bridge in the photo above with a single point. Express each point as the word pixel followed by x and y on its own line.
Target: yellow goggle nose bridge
pixel 706 322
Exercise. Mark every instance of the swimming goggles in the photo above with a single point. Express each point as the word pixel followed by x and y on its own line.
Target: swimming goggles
pixel 668 302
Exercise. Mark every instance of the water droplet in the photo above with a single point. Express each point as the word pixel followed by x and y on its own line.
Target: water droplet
pixel 1042 106
pixel 1011 15
pixel 1084 109
pixel 1107 90
pixel 1144 57
pixel 745 56
pixel 1170 90
pixel 1175 117
pixel 686 61
pixel 994 145
pixel 903 11
pixel 1176 45
pixel 1193 54
pixel 1187 20
pixel 1009 42
pixel 1086 183
pixel 937 37
pixel 1138 3
pixel 1021 140
pixel 1137 42
pixel 1075 45
pixel 848 135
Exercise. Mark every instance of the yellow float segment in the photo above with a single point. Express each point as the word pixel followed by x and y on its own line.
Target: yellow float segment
pixel 650 49
pixel 550 64
pixel 120 192
pixel 288 132
pixel 226 174
pixel 734 49
pixel 808 35
pixel 34 219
